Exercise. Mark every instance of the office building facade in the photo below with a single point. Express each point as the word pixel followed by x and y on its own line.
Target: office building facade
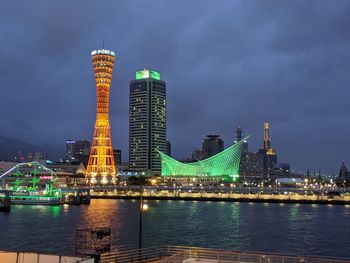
pixel 77 150
pixel 268 154
pixel 147 122
pixel 117 156
pixel 211 145
pixel 251 163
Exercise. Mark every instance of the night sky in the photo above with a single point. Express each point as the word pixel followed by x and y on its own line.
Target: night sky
pixel 226 64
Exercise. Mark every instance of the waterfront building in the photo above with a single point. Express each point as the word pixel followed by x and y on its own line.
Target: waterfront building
pixel 283 168
pixel 5 166
pixel 124 166
pixel 101 167
pixel 117 157
pixel 77 150
pixel 344 175
pixel 239 133
pixel 267 153
pixel 197 155
pixel 251 167
pixel 35 157
pixel 290 182
pixel 224 164
pixel 251 164
pixel 211 145
pixel 70 174
pixel 147 122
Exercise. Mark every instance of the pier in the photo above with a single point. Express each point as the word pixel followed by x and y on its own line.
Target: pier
pixel 301 196
pixel 76 196
pixel 5 202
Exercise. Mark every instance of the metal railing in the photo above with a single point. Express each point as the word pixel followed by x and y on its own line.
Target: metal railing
pixel 29 257
pixel 135 255
pixel 177 254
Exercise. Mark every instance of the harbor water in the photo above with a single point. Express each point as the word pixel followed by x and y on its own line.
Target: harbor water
pixel 322 230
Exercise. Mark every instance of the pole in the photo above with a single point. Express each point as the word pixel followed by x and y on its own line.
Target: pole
pixel 140 221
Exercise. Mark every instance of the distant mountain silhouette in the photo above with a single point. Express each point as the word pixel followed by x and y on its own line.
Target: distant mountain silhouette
pixel 10 148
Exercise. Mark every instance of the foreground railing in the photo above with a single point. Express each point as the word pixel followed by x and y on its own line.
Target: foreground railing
pixel 177 254
pixel 136 255
pixel 30 257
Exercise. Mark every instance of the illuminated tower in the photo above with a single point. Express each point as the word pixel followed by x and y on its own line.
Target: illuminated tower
pixel 101 167
pixel 267 142
pixel 269 154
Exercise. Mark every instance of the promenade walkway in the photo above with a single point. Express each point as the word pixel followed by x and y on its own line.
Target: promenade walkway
pixel 281 197
pixel 180 254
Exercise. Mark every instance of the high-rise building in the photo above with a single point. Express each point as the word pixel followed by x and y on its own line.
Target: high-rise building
pixel 239 133
pixel 197 155
pixel 269 155
pixel 251 164
pixel 147 122
pixel 77 150
pixel 267 142
pixel 117 157
pixel 344 175
pixel 211 145
pixel 101 167
pixel 37 157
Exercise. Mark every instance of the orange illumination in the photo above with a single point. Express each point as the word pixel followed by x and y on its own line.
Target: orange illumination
pixel 267 143
pixel 101 167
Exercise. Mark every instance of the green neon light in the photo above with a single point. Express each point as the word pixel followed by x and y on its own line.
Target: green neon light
pixel 147 73
pixel 224 164
pixel 56 210
pixel 32 177
pixel 35 197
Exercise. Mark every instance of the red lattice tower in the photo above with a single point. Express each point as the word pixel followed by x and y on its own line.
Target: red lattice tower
pixel 101 168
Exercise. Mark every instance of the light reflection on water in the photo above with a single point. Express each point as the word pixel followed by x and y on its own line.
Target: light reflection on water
pixel 287 228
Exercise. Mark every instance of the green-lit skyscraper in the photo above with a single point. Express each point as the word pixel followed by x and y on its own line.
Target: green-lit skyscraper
pixel 147 122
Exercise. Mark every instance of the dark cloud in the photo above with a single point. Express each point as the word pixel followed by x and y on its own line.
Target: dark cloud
pixel 226 64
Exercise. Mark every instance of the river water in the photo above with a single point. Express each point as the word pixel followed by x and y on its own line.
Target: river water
pixel 281 228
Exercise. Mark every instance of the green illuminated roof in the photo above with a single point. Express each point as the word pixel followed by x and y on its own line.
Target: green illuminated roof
pixel 147 73
pixel 224 164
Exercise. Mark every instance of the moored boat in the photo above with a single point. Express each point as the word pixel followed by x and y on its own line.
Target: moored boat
pixel 34 200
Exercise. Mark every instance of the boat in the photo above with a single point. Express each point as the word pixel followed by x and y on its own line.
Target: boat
pixel 32 184
pixel 35 200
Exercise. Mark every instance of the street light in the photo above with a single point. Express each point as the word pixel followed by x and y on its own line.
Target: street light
pixel 142 209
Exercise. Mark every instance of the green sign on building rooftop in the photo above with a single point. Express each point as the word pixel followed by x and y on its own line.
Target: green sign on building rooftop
pixel 147 73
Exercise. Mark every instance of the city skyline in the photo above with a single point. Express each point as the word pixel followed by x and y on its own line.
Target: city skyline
pixel 255 70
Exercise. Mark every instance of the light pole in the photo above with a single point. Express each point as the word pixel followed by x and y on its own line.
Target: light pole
pixel 143 208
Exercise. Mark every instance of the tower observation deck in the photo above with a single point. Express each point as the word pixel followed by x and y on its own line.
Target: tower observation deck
pixel 101 167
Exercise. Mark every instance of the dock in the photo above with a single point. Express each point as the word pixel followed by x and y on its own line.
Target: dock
pixel 5 202
pixel 254 197
pixel 76 196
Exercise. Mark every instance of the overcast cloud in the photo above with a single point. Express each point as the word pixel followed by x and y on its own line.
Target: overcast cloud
pixel 226 64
